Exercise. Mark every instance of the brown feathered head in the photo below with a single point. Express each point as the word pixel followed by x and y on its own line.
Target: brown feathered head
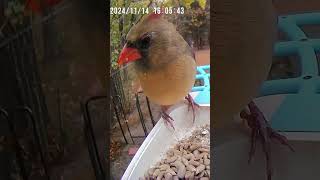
pixel 153 42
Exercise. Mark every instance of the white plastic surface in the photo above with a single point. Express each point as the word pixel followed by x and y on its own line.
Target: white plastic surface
pixel 270 104
pixel 162 137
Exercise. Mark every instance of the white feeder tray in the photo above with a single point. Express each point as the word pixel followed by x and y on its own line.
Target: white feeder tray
pixel 162 137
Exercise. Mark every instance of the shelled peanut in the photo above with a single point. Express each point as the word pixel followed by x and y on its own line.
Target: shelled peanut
pixel 189 159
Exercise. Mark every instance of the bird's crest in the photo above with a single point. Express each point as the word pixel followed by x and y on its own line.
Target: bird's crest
pixel 155 15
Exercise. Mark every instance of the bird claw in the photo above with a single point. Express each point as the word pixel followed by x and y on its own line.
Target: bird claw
pixel 167 118
pixel 260 127
pixel 192 104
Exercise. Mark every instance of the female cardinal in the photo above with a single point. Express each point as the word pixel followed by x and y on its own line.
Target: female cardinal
pixel 163 61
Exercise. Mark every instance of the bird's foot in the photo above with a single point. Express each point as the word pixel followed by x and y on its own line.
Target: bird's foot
pixel 166 117
pixel 192 104
pixel 260 128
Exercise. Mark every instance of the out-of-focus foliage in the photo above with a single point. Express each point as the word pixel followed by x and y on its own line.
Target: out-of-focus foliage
pixel 185 3
pixel 194 23
pixel 14 12
pixel 202 3
pixel 115 33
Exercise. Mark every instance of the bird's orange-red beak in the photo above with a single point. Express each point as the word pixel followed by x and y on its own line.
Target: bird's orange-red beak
pixel 128 54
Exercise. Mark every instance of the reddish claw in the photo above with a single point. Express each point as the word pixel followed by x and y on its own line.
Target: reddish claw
pixel 166 117
pixel 260 127
pixel 192 104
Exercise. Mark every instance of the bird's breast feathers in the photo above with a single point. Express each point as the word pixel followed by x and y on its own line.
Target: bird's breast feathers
pixel 171 83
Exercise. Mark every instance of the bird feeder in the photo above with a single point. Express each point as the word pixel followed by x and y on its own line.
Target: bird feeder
pixel 295 100
pixel 161 137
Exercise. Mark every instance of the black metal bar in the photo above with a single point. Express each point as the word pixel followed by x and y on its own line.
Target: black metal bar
pixel 124 116
pixel 118 119
pixel 138 137
pixel 151 116
pixel 90 142
pixel 17 147
pixel 141 115
pixel 14 58
pixel 88 120
pixel 29 112
pixel 40 111
pixel 61 126
pixel 94 160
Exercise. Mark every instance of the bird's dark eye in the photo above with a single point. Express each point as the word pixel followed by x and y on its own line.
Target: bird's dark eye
pixel 145 41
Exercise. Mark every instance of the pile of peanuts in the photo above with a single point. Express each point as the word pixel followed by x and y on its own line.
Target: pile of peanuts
pixel 189 159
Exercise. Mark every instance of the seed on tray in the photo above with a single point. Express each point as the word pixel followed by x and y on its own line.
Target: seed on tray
pixel 164 167
pixel 177 152
pixel 168 176
pixel 206 162
pixel 201 161
pixel 185 161
pixel 200 175
pixel 195 163
pixel 170 153
pixel 156 173
pixel 204 178
pixel 189 156
pixel 188 159
pixel 171 171
pixel 175 178
pixel 171 159
pixel 191 168
pixel 151 171
pixel 189 175
pixel 181 148
pixel 160 175
pixel 200 168
pixel 174 169
pixel 181 169
pixel 208 172
pixel 194 147
pixel 203 149
pixel 184 153
pixel 186 145
pixel 204 155
pixel 196 153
